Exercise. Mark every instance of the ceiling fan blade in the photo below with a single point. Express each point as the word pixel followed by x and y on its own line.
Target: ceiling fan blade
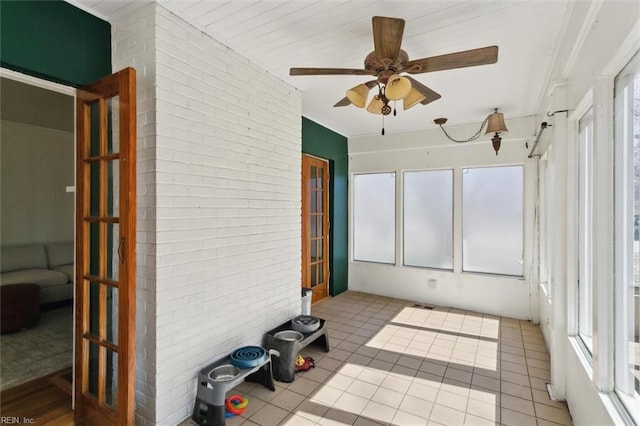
pixel 343 102
pixel 467 58
pixel 387 36
pixel 328 71
pixel 429 94
pixel 371 84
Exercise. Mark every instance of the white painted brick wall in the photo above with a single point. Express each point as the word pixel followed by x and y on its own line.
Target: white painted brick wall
pixel 219 260
pixel 133 44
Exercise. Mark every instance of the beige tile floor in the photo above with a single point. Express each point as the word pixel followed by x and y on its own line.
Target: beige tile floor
pixel 393 363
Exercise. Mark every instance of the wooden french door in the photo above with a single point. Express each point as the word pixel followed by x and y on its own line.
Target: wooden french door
pixel 315 226
pixel 105 251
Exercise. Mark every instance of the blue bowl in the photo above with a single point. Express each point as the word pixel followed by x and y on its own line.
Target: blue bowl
pixel 249 357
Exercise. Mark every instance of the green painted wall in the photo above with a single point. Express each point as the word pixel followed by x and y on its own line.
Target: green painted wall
pixel 55 41
pixel 324 143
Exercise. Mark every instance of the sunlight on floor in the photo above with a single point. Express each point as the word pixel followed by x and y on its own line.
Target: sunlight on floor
pixel 443 336
pixel 362 390
pixel 413 338
pixel 473 324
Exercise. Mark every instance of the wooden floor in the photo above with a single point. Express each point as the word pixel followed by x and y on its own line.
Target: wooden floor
pixel 44 401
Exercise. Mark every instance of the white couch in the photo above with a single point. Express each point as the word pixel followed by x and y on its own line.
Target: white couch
pixel 49 265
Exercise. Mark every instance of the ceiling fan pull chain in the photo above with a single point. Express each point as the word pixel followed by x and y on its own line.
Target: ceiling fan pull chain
pixel 382 125
pixel 394 109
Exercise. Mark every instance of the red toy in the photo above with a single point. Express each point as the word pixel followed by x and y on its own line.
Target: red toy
pixel 304 363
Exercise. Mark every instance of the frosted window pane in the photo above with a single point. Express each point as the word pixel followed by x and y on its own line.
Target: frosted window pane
pixel 627 235
pixel 492 220
pixel 374 217
pixel 585 191
pixel 428 219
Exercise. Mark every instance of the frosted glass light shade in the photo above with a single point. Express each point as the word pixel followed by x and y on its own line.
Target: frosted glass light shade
pixel 375 106
pixel 358 95
pixel 412 99
pixel 397 87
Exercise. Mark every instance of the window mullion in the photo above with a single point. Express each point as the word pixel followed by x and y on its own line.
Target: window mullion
pixel 457 219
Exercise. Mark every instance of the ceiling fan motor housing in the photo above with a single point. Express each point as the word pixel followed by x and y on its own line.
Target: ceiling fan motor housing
pixel 384 68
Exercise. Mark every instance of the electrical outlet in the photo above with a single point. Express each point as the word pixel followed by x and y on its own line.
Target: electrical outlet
pixel 433 283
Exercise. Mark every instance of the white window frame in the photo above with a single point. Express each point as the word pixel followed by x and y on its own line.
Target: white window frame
pixel 601 370
pixel 544 207
pixel 624 228
pixel 573 188
pixel 585 203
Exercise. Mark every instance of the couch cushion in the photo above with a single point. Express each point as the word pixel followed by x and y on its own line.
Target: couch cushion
pixel 68 270
pixel 42 277
pixel 26 256
pixel 59 254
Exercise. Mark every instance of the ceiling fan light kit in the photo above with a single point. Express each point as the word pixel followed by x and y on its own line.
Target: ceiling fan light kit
pixel 358 95
pixel 495 124
pixel 397 87
pixel 412 99
pixel 388 61
pixel 376 104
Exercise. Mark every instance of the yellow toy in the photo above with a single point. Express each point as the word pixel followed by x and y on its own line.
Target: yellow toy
pixel 299 361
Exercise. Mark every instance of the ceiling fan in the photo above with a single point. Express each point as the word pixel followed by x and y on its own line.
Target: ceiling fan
pixel 388 61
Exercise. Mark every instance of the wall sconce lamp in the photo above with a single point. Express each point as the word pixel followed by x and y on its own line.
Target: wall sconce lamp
pixel 495 124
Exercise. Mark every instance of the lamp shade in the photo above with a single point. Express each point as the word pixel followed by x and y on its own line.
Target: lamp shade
pixel 397 87
pixel 412 99
pixel 358 95
pixel 375 106
pixel 496 123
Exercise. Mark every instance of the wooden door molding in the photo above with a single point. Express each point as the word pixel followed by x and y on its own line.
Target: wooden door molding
pixel 106 219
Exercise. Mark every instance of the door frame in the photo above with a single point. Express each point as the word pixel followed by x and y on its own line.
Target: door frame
pixel 305 279
pixel 73 93
pixel 69 91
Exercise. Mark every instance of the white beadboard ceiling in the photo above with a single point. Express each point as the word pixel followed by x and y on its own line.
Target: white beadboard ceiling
pixel 279 34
